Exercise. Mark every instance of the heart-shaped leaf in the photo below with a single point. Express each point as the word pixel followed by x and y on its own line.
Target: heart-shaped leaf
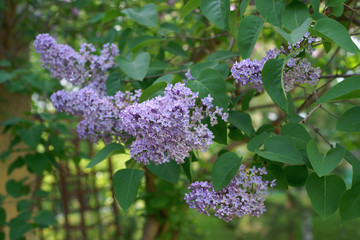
pixel 168 171
pixel 272 76
pixel 335 31
pixel 136 69
pixel 346 89
pixel 147 15
pixel 280 149
pixel 242 121
pixel 350 204
pixel 248 33
pixel 294 15
pixel 271 10
pixel 217 11
pixel 349 121
pixel 211 82
pixel 325 193
pixel 126 183
pixel 107 151
pixel 225 169
pixel 324 165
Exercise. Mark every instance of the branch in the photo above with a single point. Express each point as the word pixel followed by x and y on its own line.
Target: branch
pixel 162 74
pixel 336 76
pixel 318 132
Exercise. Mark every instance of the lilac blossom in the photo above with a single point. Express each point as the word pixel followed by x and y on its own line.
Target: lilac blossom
pixel 100 115
pixel 248 72
pixel 79 68
pixel 244 195
pixel 170 126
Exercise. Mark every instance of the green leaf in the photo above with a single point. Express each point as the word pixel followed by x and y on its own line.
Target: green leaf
pixel 37 163
pixel 219 130
pixel 147 15
pixel 23 204
pixel 324 165
pixel 113 83
pixel 151 90
pixel 217 11
pixel 186 165
pixel 126 183
pixel 243 5
pixel 272 77
pixel 110 15
pixel 199 67
pixel 137 43
pixel 176 49
pixel 224 170
pixel 16 188
pixel 242 121
pixel 168 171
pixel 18 229
pixel 294 15
pixel 257 141
pixel 280 149
pixel 297 133
pixel 297 33
pixel 221 56
pixel 45 218
pixel 327 46
pixel 107 151
pixel 346 89
pixel 296 175
pixel 190 6
pixel 315 5
pixel 325 193
pixel 337 7
pixel 350 204
pixel 136 69
pixel 349 121
pixel 167 78
pixel 123 38
pixel 211 82
pixel 271 10
pixel 337 33
pixel 355 162
pixel 31 136
pixel 276 172
pixel 2 217
pixel 248 33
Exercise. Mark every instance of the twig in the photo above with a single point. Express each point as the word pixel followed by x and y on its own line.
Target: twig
pixel 310 113
pixel 332 114
pixel 318 132
pixel 162 74
pixel 336 75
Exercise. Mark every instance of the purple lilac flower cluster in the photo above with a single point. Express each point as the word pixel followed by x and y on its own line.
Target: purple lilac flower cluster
pixel 298 70
pixel 64 62
pixel 244 195
pixel 169 127
pixel 100 115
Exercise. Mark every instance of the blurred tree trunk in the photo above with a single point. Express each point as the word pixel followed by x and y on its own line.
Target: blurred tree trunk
pixel 12 104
